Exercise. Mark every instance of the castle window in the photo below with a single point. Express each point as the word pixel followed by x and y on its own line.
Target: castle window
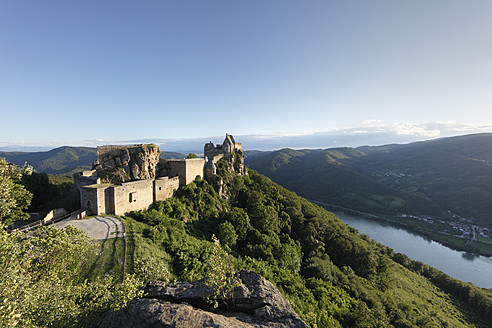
pixel 160 188
pixel 132 197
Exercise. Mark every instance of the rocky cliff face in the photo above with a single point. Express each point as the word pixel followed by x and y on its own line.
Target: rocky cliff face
pixel 117 164
pixel 256 303
pixel 238 162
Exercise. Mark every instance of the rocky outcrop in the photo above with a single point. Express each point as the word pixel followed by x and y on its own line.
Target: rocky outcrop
pixel 237 162
pixel 256 303
pixel 117 164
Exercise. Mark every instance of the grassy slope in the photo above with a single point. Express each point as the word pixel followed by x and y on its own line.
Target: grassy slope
pixel 108 259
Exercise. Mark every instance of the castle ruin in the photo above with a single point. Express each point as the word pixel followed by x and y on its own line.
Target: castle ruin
pixel 228 149
pixel 133 177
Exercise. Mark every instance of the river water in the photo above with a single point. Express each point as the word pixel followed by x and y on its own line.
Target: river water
pixel 460 265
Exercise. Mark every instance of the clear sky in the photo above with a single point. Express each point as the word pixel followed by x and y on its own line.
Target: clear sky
pixel 93 72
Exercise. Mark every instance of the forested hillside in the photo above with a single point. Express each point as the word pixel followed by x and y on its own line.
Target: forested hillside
pixel 62 160
pixel 424 178
pixel 454 173
pixel 332 276
pixel 339 176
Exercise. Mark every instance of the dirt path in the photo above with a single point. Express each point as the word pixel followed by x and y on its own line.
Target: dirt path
pixel 99 227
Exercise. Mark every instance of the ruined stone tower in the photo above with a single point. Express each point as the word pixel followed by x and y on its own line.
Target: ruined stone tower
pixel 229 149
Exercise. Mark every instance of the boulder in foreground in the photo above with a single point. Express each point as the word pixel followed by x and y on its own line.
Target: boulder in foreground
pixel 256 303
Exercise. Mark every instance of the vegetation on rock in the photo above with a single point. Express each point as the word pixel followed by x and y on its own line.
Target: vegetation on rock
pixel 221 275
pixel 191 156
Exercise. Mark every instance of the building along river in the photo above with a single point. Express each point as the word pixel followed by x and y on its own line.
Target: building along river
pixel 460 265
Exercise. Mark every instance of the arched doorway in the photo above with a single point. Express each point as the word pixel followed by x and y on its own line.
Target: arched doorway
pixel 88 207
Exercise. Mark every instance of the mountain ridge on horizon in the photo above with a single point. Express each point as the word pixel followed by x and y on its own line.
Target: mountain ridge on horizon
pixel 265 142
pixel 34 158
pixel 65 160
pixel 427 178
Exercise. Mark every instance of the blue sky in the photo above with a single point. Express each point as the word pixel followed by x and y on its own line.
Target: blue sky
pixel 96 72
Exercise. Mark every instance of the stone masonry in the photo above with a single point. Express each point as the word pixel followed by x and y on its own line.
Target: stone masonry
pixel 214 153
pixel 133 177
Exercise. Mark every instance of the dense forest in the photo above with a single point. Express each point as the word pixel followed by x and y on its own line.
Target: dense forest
pixel 332 276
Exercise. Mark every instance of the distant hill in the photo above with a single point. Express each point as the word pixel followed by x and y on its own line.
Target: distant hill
pixel 428 177
pixel 172 155
pixel 64 160
pixel 255 153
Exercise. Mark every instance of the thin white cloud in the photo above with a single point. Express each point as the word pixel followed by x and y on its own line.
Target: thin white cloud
pixel 425 130
pixel 406 129
pixel 372 122
pixel 370 132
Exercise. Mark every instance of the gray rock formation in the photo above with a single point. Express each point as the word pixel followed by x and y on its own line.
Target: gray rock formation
pixel 117 164
pixel 256 303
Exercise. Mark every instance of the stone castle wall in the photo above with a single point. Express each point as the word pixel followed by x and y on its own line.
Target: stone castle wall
pixel 165 188
pixel 186 169
pixel 194 167
pixel 130 196
pixel 133 196
pixel 86 178
pixel 131 178
pixel 93 199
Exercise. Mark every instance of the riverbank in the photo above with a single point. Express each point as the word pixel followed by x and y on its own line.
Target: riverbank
pixel 452 241
pixel 476 247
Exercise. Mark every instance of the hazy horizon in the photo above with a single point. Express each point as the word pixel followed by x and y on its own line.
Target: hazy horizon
pixel 340 138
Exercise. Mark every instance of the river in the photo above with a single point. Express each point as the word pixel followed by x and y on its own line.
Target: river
pixel 460 265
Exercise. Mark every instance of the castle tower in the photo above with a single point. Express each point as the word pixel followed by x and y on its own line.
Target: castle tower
pixel 214 153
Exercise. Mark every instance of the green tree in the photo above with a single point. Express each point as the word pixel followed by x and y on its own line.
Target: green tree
pixel 44 192
pixel 240 221
pixel 227 234
pixel 191 155
pixel 14 198
pixel 221 275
